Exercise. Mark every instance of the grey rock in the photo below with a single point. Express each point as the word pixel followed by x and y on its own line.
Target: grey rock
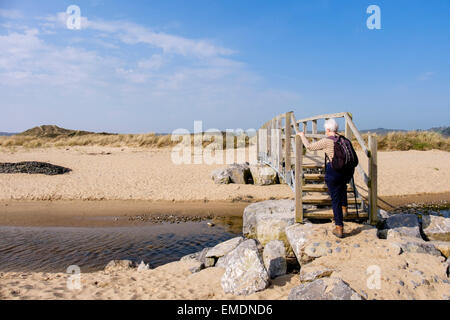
pixel 267 220
pixel 240 173
pixel 222 262
pixel 436 227
pixel 224 248
pixel 415 245
pixel 263 175
pixel 443 247
pixel 383 214
pixel 403 225
pixel 274 257
pixel 197 267
pixel 298 236
pixel 310 273
pixel 317 250
pixel 324 289
pixel 201 257
pixel 245 272
pixel 221 176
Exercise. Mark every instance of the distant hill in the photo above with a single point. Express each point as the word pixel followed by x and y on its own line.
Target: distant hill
pixel 7 133
pixel 382 131
pixel 51 131
pixel 445 131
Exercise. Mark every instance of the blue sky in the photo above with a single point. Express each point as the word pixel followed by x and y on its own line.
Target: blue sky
pixel 146 66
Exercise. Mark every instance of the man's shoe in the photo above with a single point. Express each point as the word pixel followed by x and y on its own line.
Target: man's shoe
pixel 338 232
pixel 344 211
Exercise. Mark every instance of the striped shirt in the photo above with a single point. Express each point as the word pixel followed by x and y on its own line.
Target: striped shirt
pixel 325 144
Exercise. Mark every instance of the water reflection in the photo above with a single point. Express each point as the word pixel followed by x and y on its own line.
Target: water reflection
pixel 53 249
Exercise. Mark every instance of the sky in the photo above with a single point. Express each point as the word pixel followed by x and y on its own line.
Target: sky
pixel 155 66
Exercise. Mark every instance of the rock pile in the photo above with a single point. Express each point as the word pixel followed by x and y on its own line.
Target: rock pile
pixel 32 167
pixel 331 268
pixel 245 173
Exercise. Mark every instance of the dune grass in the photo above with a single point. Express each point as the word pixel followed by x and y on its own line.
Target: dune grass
pixel 148 140
pixel 413 140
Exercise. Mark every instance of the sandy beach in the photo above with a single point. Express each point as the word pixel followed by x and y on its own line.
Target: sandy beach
pixel 405 276
pixel 122 182
pixel 101 173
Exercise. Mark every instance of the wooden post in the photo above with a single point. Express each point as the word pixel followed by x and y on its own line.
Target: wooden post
pixel 279 145
pixel 305 126
pixel 348 131
pixel 287 142
pixel 314 131
pixel 257 145
pixel 298 179
pixel 269 145
pixel 373 168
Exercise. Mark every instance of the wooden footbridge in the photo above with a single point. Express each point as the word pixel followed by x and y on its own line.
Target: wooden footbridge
pixel 279 146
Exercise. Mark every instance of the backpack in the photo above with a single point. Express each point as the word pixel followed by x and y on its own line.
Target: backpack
pixel 345 158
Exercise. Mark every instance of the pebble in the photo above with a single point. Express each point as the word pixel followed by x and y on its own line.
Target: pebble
pixel 338 249
pixel 356 245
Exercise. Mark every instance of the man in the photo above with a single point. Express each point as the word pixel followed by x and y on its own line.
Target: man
pixel 336 180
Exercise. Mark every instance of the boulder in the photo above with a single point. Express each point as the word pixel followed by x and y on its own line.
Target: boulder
pixel 299 236
pixel 245 272
pixel 197 266
pixel 318 249
pixel 310 273
pixel 324 289
pixel 221 176
pixel 442 246
pixel 383 214
pixel 201 257
pixel 436 227
pixel 222 262
pixel 240 173
pixel 267 220
pixel 263 175
pixel 119 265
pixel 224 248
pixel 274 257
pixel 414 245
pixel 403 225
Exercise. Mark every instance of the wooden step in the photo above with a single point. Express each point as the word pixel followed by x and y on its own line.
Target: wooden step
pixel 314 176
pixel 328 214
pixel 326 200
pixel 312 166
pixel 319 188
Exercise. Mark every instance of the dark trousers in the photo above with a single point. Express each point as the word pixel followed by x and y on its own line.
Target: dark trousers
pixel 337 187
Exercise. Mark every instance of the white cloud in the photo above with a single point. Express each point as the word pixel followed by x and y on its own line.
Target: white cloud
pixel 10 14
pixel 425 76
pixel 154 62
pixel 105 73
pixel 131 33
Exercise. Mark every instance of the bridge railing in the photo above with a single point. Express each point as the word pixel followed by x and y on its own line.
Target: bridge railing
pixel 278 145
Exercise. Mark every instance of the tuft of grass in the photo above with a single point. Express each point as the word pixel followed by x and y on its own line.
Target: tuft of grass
pixel 412 140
